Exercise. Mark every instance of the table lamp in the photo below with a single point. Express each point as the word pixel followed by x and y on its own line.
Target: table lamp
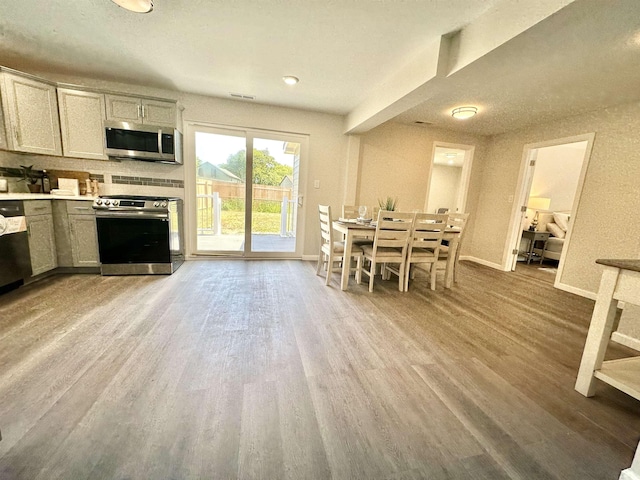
pixel 537 204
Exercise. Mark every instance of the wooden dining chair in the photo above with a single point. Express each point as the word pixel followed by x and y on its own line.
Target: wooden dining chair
pixel 349 211
pixel 331 250
pixel 425 242
pixel 457 221
pixel 389 246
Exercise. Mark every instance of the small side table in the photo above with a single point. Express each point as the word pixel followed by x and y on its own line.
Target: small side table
pixel 620 283
pixel 534 237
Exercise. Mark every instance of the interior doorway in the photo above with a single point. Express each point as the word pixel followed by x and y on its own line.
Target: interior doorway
pixel 449 178
pixel 244 192
pixel 553 174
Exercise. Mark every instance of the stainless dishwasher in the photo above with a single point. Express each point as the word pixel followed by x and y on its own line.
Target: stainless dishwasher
pixel 15 262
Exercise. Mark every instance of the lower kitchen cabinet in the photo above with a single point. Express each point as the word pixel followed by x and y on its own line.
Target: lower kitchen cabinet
pixel 76 234
pixel 42 243
pixel 84 241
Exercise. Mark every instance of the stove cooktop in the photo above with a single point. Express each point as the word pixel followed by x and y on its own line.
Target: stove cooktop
pixel 135 197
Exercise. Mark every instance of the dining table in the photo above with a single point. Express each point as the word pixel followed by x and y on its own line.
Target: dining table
pixel 354 230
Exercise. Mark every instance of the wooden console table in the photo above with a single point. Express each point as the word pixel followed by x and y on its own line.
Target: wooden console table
pixel 620 282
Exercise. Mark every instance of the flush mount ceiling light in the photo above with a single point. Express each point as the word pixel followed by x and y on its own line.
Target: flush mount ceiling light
pixel 462 113
pixel 451 155
pixel 290 79
pixel 137 6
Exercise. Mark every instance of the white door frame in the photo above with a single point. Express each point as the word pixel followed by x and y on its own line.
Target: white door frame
pixel 465 174
pixel 525 180
pixel 190 188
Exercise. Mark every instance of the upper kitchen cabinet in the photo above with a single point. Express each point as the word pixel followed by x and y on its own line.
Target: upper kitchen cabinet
pixel 81 122
pixel 31 115
pixel 3 136
pixel 142 110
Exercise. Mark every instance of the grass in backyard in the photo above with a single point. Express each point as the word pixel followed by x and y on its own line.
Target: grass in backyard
pixel 233 222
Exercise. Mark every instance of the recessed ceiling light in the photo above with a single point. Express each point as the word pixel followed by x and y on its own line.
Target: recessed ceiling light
pixel 138 6
pixel 462 113
pixel 450 155
pixel 290 79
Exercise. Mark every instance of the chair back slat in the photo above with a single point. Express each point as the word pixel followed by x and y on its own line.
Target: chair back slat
pixel 428 230
pixel 458 221
pixel 326 229
pixel 393 229
pixel 349 211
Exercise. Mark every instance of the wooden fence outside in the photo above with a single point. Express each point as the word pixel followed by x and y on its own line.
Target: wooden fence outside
pixel 212 193
pixel 207 186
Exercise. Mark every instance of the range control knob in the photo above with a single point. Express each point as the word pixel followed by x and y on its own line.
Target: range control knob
pixel 156 204
pixel 164 204
pixel 116 202
pixel 98 202
pixel 107 202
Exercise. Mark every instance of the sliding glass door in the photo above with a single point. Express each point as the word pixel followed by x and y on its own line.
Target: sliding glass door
pixel 246 193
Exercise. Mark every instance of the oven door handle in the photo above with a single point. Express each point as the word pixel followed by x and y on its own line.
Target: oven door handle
pixel 138 216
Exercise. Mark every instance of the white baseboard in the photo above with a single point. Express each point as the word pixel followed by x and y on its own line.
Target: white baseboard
pixel 629 474
pixel 575 290
pixel 626 340
pixel 482 262
pixel 313 258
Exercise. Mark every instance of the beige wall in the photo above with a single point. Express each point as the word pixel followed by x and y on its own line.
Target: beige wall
pixel 395 160
pixel 607 223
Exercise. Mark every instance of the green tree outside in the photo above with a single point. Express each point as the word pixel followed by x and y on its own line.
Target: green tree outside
pixel 266 169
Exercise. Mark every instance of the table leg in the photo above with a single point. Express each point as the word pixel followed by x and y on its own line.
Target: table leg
pixel 531 242
pixel 451 260
pixel 346 260
pixel 600 330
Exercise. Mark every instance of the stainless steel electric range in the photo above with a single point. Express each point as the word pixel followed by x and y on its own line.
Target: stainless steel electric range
pixel 139 235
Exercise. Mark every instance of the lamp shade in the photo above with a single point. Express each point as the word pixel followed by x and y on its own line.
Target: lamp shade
pixel 539 203
pixel 137 6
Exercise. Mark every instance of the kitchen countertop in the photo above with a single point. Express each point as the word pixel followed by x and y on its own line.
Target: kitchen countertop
pixel 44 196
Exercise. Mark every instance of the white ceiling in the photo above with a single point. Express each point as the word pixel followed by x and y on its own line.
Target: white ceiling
pixel 345 52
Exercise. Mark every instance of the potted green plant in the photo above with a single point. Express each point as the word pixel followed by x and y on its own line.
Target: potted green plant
pixel 389 204
pixel 31 178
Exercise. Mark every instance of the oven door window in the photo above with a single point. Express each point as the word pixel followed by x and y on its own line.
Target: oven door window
pixel 133 240
pixel 120 139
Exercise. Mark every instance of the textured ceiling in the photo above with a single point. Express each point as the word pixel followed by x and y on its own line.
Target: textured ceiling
pixel 581 56
pixel 339 49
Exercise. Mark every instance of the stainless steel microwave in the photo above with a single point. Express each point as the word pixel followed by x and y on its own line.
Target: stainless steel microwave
pixel 125 140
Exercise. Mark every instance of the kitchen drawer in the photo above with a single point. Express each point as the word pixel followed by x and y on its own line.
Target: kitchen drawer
pixel 80 207
pixel 37 207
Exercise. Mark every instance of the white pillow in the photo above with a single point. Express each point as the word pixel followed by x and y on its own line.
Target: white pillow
pixel 555 230
pixel 562 220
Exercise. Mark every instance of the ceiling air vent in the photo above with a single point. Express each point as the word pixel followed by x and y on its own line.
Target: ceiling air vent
pixel 242 96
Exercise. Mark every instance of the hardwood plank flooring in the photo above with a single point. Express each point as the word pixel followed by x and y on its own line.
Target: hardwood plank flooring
pixel 257 370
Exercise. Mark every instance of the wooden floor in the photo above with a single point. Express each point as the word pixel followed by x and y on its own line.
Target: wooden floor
pixel 231 369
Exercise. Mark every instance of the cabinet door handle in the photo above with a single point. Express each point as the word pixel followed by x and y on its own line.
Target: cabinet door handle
pixel 82 208
pixel 139 115
pixel 143 112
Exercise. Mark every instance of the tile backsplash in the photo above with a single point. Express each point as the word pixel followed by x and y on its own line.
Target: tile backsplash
pixel 115 177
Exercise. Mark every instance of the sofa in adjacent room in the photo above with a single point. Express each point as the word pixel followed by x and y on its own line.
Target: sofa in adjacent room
pixel 557 224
